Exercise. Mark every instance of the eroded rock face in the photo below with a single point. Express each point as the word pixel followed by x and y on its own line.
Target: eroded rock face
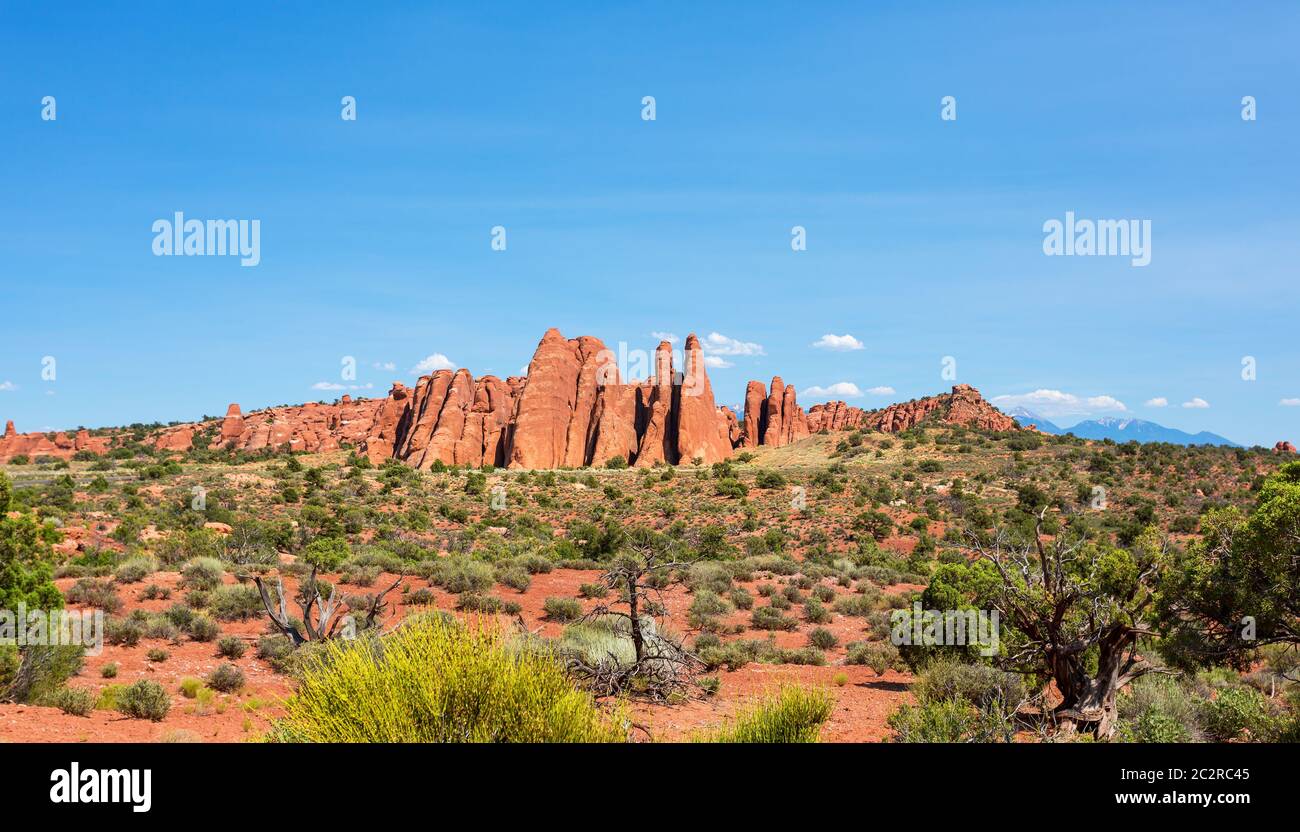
pixel 572 409
pixel 751 433
pixel 963 406
pixel 232 427
pixel 1284 447
pixel 835 415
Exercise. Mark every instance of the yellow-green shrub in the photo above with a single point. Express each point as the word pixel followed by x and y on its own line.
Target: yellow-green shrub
pixel 794 714
pixel 434 680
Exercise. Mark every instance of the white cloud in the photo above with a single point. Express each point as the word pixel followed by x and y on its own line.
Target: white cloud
pixel 717 362
pixel 1197 402
pixel 1290 402
pixel 845 389
pixel 1158 401
pixel 8 386
pixel 839 343
pixel 665 336
pixel 720 344
pixel 1054 403
pixel 1105 403
pixel 437 361
pixel 385 365
pixel 333 385
pixel 882 390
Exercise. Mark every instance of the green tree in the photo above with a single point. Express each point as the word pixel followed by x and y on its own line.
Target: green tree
pixel 1237 588
pixel 26 559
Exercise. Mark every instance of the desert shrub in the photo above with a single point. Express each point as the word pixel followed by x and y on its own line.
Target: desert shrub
pixel 815 612
pixel 231 647
pixel 1159 708
pixel 794 715
pixel 156 655
pixel 439 681
pixel 135 570
pixel 822 638
pixel 731 488
pixel 1235 711
pixel 421 597
pixel 36 671
pixel 880 656
pixel 202 628
pixel 190 687
pixel 714 577
pixel 109 671
pixel 89 592
pixel 770 618
pixel 705 606
pixel 126 632
pixel 145 699
pixel 202 573
pixel 74 701
pixel 473 602
pixel 593 590
pixel 459 575
pixel 227 678
pixel 769 479
pixel 562 609
pixel 741 599
pixel 237 602
pixel 515 577
pixel 275 650
pixel 932 722
pixel 976 684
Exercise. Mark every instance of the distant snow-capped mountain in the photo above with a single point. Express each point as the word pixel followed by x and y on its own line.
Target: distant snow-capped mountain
pixel 1122 430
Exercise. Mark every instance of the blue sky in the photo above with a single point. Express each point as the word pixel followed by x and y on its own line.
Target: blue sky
pixel 924 235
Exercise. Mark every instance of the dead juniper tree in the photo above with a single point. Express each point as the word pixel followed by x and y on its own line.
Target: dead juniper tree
pixel 328 616
pixel 660 668
pixel 1073 612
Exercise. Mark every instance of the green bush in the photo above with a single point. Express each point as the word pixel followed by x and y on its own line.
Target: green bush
pixel 135 570
pixel 880 656
pixel 202 573
pixel 1235 711
pixel 437 681
pixel 37 670
pixel 74 701
pixel 227 678
pixel 822 638
pixel 562 609
pixel 237 602
pixel 145 699
pixel 202 628
pixel 231 647
pixel 795 715
pixel 770 618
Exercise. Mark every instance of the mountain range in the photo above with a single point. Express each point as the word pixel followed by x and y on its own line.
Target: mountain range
pixel 1120 430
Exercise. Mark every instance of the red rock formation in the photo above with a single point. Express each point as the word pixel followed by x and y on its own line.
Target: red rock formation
pixel 701 434
pixel 177 439
pixel 963 406
pixel 1284 447
pixel 751 434
pixel 381 436
pixel 233 425
pixel 836 415
pixel 731 426
pixel 9 429
pixel 547 403
pixel 615 423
